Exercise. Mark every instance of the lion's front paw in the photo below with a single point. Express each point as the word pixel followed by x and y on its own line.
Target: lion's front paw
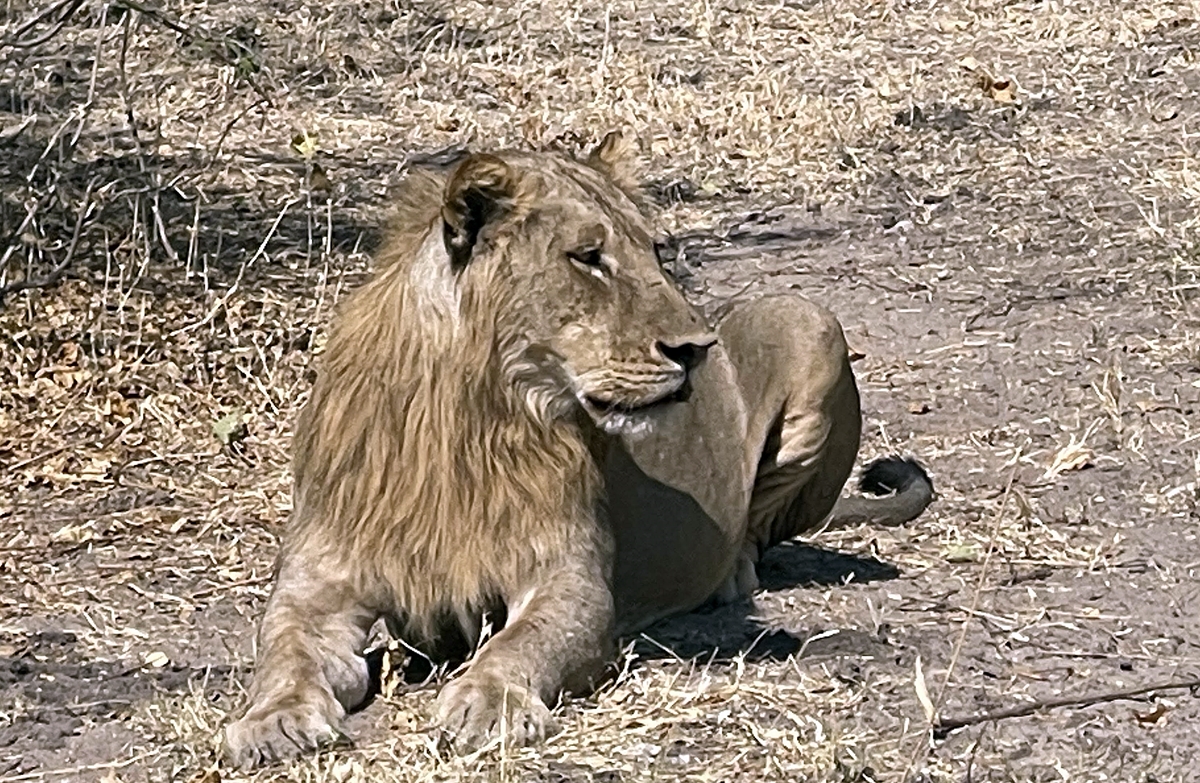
pixel 476 708
pixel 265 736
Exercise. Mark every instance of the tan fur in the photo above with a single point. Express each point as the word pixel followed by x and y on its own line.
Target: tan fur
pixel 500 422
pixel 386 426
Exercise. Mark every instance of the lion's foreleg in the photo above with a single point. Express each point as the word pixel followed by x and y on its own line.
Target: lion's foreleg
pixel 310 668
pixel 558 637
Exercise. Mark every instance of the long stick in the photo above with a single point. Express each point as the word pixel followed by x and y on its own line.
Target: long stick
pixel 943 727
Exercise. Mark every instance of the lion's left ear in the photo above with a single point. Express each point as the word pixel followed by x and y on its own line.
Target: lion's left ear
pixel 480 190
pixel 617 158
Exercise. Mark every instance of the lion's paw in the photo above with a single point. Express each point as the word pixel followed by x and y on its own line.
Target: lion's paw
pixel 739 585
pixel 477 708
pixel 269 736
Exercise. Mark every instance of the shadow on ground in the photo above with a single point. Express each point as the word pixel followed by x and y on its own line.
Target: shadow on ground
pixel 61 691
pixel 722 634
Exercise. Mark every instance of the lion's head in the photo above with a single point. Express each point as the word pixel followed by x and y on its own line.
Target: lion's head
pixel 549 260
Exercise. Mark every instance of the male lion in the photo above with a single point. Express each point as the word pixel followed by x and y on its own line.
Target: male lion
pixel 521 413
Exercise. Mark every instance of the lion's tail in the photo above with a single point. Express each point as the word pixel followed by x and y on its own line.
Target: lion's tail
pixel 895 490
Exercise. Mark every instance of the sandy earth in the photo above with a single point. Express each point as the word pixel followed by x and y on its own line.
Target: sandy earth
pixel 1013 255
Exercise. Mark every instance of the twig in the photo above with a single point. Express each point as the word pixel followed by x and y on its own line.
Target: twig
pixel 36 459
pixel 212 158
pixel 124 83
pixel 156 15
pixel 74 771
pixel 65 9
pixel 11 243
pixel 253 582
pixel 216 308
pixel 102 444
pixel 943 727
pixel 974 752
pixel 57 272
pixel 962 635
pixel 158 224
pixel 91 96
pixel 220 41
pixel 995 533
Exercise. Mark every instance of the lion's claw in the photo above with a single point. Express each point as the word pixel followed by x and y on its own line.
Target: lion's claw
pixel 277 736
pixel 476 709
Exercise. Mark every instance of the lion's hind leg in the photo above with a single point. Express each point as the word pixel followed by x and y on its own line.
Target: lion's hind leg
pixel 808 456
pixel 310 668
pixel 794 374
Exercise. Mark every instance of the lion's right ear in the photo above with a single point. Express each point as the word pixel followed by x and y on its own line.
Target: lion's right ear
pixel 480 189
pixel 617 157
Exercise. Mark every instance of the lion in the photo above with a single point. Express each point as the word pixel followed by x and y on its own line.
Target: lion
pixel 521 416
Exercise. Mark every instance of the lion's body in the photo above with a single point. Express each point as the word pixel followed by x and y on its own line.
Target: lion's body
pixel 759 454
pixel 519 411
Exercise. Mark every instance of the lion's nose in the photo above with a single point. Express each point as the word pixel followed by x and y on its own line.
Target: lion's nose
pixel 688 351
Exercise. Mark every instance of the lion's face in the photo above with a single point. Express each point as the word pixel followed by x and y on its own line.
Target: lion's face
pixel 595 320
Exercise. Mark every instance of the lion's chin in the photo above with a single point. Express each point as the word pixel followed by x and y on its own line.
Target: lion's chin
pixel 630 420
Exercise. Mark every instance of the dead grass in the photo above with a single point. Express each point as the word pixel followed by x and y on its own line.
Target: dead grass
pixel 690 722
pixel 204 257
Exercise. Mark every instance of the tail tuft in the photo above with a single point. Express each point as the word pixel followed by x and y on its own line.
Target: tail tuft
pixel 888 475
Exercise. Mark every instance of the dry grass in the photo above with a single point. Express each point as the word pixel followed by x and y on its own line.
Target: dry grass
pixel 1022 277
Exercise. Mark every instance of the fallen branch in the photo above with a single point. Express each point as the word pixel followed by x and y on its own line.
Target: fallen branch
pixel 943 727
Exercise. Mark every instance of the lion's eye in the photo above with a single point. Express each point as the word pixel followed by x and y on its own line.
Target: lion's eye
pixel 590 260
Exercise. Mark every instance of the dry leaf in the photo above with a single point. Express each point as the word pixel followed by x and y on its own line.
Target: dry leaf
pixel 1023 506
pixel 10 132
pixel 345 770
pixel 961 553
pixel 1002 89
pixel 231 427
pixel 318 180
pixel 1152 717
pixel 74 534
pixel 157 659
pixel 1073 456
pixel 94 468
pixel 210 775
pixel 305 144
pixel 69 353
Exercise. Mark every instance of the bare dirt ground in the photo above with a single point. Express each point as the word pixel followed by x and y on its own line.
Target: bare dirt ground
pixel 1000 200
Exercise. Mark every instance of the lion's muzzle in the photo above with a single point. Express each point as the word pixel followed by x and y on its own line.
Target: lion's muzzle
pixel 630 387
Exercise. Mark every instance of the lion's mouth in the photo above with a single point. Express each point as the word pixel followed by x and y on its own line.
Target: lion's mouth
pixel 621 406
pixel 601 406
